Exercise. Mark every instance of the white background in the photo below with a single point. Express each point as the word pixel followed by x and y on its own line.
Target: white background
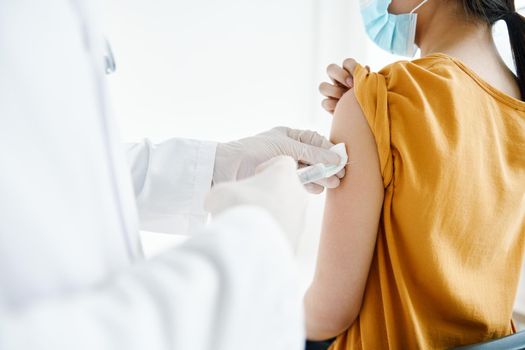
pixel 221 70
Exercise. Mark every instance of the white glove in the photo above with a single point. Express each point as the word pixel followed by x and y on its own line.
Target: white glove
pixel 237 160
pixel 275 188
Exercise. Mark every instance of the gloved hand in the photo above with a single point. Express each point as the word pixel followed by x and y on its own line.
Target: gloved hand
pixel 275 188
pixel 237 160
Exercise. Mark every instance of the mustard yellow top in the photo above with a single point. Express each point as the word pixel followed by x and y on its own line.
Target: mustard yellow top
pixel 452 234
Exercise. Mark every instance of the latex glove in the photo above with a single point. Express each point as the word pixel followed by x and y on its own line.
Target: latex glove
pixel 237 160
pixel 275 187
pixel 342 81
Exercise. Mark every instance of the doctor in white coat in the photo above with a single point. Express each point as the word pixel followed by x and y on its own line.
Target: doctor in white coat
pixel 72 274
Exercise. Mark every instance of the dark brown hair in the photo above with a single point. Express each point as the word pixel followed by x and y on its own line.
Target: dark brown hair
pixel 491 11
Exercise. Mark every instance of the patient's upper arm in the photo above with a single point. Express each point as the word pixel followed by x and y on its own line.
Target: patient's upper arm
pixel 350 225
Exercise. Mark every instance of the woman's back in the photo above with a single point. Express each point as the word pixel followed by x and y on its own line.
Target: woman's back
pixel 452 233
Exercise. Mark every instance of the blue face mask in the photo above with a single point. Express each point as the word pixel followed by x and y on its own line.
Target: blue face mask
pixel 393 33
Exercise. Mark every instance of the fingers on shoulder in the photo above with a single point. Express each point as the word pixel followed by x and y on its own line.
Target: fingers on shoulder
pixel 332 91
pixel 349 64
pixel 329 104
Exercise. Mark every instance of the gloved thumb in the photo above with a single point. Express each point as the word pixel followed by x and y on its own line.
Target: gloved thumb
pixel 315 155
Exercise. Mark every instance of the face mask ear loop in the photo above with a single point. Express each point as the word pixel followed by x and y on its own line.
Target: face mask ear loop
pixel 418 6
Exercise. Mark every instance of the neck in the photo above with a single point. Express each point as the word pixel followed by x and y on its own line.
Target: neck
pixel 469 41
pixel 440 34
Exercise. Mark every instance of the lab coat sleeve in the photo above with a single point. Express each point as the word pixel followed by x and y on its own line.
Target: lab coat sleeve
pixel 231 287
pixel 171 180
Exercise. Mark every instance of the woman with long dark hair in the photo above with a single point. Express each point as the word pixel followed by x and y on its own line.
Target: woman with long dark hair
pixel 423 242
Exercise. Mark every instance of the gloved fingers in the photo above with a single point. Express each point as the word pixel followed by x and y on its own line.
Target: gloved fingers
pixel 315 139
pixel 340 174
pixel 310 138
pixel 314 188
pixel 331 182
pixel 313 155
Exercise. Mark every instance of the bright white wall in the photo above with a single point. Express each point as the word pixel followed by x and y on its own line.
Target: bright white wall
pixel 209 69
pixel 223 70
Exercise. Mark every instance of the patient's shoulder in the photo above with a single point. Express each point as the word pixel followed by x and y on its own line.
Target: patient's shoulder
pixel 421 70
pixel 348 108
pixel 363 112
pixel 351 126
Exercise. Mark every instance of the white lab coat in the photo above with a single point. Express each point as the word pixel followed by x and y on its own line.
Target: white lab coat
pixel 71 269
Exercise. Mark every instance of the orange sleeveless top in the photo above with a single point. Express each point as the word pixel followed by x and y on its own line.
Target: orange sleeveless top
pixel 452 235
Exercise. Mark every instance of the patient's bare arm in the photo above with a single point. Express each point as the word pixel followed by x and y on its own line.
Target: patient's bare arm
pixel 349 231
